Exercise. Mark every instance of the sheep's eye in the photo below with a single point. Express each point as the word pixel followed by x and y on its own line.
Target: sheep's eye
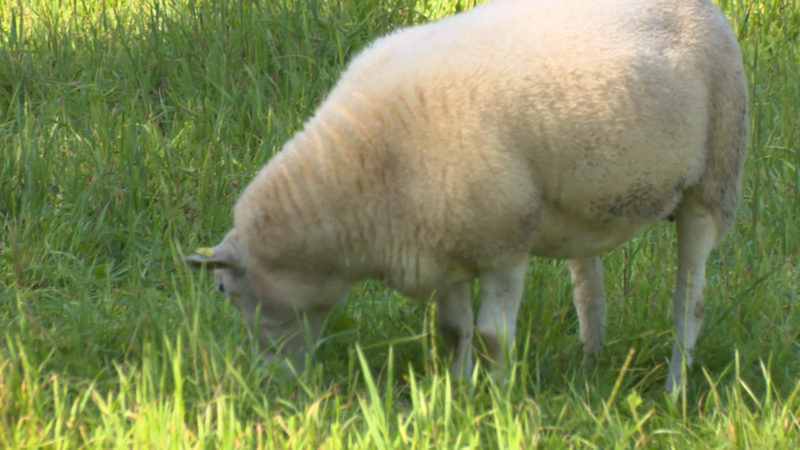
pixel 221 287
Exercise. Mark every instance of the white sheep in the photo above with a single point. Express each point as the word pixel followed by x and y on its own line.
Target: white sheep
pixel 459 148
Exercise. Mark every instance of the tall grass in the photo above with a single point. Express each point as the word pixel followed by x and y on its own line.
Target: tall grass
pixel 128 128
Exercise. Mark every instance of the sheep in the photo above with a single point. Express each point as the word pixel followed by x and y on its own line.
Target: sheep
pixel 458 149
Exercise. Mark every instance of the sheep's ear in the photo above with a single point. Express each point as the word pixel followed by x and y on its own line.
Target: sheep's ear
pixel 223 256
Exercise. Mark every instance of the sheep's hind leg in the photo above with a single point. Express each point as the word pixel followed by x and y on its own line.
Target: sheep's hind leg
pixel 454 314
pixel 697 234
pixel 501 293
pixel 589 298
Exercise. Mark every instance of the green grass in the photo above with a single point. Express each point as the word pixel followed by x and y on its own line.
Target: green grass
pixel 127 130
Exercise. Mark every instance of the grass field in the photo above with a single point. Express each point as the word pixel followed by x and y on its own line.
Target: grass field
pixel 127 130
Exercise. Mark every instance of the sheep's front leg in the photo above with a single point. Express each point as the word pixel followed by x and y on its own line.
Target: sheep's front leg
pixel 697 234
pixel 589 298
pixel 454 314
pixel 501 292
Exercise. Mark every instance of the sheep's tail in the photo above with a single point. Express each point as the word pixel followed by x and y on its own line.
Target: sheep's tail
pixel 729 128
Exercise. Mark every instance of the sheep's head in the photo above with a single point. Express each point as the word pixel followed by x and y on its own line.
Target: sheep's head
pixel 284 308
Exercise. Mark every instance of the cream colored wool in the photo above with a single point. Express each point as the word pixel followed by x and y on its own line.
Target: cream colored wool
pixel 457 149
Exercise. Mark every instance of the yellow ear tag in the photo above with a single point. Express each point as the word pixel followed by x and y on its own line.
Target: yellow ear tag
pixel 205 252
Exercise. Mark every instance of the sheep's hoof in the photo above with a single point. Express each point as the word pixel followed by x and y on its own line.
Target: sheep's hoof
pixel 591 359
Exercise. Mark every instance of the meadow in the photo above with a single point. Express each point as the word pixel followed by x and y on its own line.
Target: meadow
pixel 129 127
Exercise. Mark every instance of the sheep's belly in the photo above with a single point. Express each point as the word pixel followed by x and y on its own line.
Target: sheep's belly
pixel 562 234
pixel 570 239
